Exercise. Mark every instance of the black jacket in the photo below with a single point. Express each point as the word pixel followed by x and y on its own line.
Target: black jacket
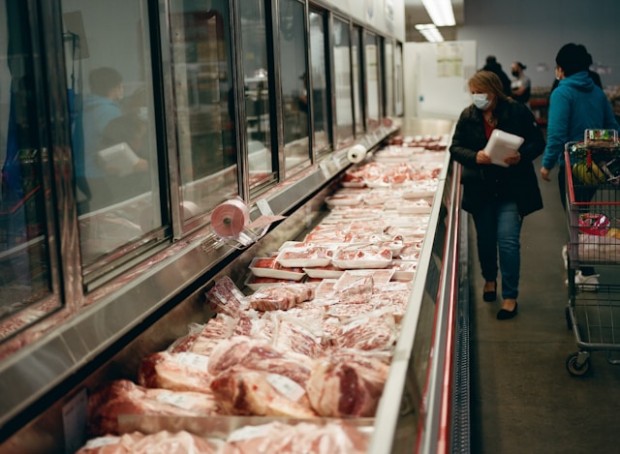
pixel 503 77
pixel 483 184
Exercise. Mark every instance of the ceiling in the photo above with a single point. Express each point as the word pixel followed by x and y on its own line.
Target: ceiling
pixel 415 13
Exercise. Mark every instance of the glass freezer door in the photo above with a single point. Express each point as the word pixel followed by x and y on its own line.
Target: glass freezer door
pixel 26 294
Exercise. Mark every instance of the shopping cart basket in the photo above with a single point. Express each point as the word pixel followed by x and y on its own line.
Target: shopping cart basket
pixel 593 218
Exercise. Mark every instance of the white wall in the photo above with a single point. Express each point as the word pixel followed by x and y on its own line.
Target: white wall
pixel 436 76
pixel 532 31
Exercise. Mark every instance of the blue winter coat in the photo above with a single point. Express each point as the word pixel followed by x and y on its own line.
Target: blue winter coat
pixel 98 112
pixel 576 104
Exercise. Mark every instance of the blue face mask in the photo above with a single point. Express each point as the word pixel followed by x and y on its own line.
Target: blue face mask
pixel 481 100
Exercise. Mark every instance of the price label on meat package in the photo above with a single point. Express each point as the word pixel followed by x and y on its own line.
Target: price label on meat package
pixel 249 433
pixel 192 360
pixel 287 387
pixel 101 442
pixel 176 399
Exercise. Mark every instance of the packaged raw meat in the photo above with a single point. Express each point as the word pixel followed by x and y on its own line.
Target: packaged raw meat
pixel 363 257
pixel 258 393
pixel 257 283
pixel 202 338
pixel 305 257
pixel 346 384
pixel 374 331
pixel 268 267
pixel 183 371
pixel 258 355
pixel 225 297
pixel 158 443
pixel 280 297
pixel 306 438
pixel 122 397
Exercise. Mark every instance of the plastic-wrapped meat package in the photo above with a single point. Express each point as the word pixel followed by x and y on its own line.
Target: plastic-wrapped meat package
pixel 244 325
pixel 258 355
pixel 357 290
pixel 181 371
pixel 392 298
pixel 122 397
pixel 309 313
pixel 346 384
pixel 348 311
pixel 225 297
pixel 296 336
pixel 202 339
pixel 307 438
pixel 375 331
pixel 280 297
pixel 262 328
pixel 257 393
pixel 158 443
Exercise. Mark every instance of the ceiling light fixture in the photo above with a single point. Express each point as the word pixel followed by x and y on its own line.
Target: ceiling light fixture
pixel 430 32
pixel 440 11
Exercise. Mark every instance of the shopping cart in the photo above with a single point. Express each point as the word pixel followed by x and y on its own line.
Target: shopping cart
pixel 593 219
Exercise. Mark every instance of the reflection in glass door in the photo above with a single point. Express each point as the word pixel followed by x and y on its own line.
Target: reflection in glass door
pixel 342 83
pixel 373 84
pixel 358 80
pixel 389 78
pixel 320 96
pixel 294 81
pixel 114 146
pixel 204 103
pixel 257 89
pixel 25 270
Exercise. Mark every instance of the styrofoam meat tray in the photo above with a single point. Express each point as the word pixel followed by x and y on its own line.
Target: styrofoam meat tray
pixel 299 257
pixel 294 274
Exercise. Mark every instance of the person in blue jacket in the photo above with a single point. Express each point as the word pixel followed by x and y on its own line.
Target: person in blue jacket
pixel 575 105
pixel 99 109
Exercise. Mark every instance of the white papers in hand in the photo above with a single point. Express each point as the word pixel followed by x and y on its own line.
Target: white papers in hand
pixel 120 158
pixel 502 144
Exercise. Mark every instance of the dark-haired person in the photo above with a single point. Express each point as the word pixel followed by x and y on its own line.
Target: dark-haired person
pixel 101 106
pixel 491 64
pixel 497 197
pixel 521 87
pixel 576 104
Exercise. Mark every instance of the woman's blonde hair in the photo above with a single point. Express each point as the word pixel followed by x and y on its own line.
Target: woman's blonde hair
pixel 487 82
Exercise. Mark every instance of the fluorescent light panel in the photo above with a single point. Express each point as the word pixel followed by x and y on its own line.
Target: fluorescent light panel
pixel 440 11
pixel 430 32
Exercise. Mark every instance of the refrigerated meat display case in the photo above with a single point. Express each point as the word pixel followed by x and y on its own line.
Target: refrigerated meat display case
pixel 424 405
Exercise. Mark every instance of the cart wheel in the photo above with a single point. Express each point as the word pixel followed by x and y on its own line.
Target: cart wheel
pixel 569 323
pixel 573 366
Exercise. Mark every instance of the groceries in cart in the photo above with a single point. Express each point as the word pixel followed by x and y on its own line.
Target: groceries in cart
pixel 594 224
pixel 593 215
pixel 593 197
pixel 596 160
pixel 597 239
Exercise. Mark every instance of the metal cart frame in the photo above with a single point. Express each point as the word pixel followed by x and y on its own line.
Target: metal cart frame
pixel 593 221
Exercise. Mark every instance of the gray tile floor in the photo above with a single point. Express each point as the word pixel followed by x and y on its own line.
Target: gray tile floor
pixel 523 400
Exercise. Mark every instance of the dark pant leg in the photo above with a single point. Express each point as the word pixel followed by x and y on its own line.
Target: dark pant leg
pixel 486 238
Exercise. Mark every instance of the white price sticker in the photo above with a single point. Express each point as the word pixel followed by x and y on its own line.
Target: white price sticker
pixel 248 433
pixel 287 387
pixel 186 402
pixel 192 360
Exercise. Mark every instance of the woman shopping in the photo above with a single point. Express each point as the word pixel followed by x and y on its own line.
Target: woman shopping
pixel 497 196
